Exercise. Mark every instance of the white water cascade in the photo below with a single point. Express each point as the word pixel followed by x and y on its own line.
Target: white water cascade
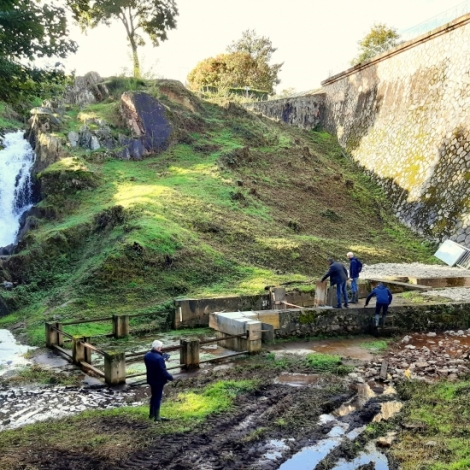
pixel 16 161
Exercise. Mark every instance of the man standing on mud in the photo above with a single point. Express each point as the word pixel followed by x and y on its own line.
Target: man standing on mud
pixel 338 275
pixel 157 377
pixel 355 267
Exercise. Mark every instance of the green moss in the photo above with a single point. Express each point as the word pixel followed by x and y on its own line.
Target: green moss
pixel 309 317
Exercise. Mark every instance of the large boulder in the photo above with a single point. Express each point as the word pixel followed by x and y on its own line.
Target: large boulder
pixel 48 148
pixel 86 90
pixel 145 117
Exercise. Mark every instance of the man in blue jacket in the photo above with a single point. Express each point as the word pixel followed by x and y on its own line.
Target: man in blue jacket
pixel 384 299
pixel 355 267
pixel 338 276
pixel 157 377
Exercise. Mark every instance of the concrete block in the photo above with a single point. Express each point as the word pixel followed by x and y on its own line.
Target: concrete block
pixel 321 293
pixel 268 333
pixel 79 352
pixel 268 316
pixel 115 368
pixel 54 337
pixel 189 353
pixel 254 330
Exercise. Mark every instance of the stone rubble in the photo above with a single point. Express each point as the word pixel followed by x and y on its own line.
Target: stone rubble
pixel 448 357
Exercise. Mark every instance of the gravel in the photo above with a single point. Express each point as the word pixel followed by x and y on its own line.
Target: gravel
pixel 458 294
pixel 411 269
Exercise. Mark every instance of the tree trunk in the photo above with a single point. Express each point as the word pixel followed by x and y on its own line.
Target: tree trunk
pixel 135 58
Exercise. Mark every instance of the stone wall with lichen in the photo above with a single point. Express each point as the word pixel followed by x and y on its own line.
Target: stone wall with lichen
pixel 404 116
pixel 301 111
pixel 403 318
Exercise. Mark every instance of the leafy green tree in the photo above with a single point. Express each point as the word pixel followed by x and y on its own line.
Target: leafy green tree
pixel 381 38
pixel 30 30
pixel 152 17
pixel 223 71
pixel 261 50
pixel 245 65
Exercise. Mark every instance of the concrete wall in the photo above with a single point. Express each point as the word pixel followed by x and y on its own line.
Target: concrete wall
pixel 302 111
pixel 191 313
pixel 357 320
pixel 404 116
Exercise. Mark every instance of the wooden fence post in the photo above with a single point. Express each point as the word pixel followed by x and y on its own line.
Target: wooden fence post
pixel 120 326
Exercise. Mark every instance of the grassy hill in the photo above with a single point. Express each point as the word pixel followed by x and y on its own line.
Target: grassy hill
pixel 236 203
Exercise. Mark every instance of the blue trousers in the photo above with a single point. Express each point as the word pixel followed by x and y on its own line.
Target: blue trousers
pixel 341 289
pixel 155 400
pixel 354 284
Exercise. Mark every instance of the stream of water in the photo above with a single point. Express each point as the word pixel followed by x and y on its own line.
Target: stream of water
pixel 16 162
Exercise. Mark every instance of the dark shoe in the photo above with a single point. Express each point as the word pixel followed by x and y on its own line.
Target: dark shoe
pixel 338 306
pixel 161 418
pixel 346 306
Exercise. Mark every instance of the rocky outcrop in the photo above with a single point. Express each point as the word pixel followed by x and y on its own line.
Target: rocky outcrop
pixel 178 93
pixel 86 90
pixel 146 119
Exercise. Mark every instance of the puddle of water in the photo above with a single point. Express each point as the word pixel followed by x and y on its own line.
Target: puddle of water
pixel 371 454
pixel 297 380
pixel 11 353
pixel 50 359
pixel 389 409
pixel 452 343
pixel 309 457
pixel 364 393
pixel 275 447
pixel 351 347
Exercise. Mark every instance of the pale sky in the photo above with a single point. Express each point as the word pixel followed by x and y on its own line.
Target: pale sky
pixel 313 37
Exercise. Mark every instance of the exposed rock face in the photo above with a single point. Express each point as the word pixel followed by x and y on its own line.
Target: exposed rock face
pixel 145 117
pixel 177 92
pixel 48 150
pixel 87 90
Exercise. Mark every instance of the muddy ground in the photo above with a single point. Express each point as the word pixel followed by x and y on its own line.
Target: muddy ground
pixel 263 429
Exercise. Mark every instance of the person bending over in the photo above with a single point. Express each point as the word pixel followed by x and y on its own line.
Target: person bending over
pixel 338 276
pixel 384 299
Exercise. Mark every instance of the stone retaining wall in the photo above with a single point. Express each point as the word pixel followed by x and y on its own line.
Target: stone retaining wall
pixel 404 117
pixel 304 111
pixel 330 322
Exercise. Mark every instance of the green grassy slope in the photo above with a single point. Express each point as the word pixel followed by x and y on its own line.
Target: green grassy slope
pixel 203 218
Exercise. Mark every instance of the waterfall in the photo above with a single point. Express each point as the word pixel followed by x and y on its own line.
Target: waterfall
pixel 16 161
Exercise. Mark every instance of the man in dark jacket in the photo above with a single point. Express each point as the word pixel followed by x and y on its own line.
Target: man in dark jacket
pixel 384 299
pixel 355 267
pixel 338 276
pixel 157 377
